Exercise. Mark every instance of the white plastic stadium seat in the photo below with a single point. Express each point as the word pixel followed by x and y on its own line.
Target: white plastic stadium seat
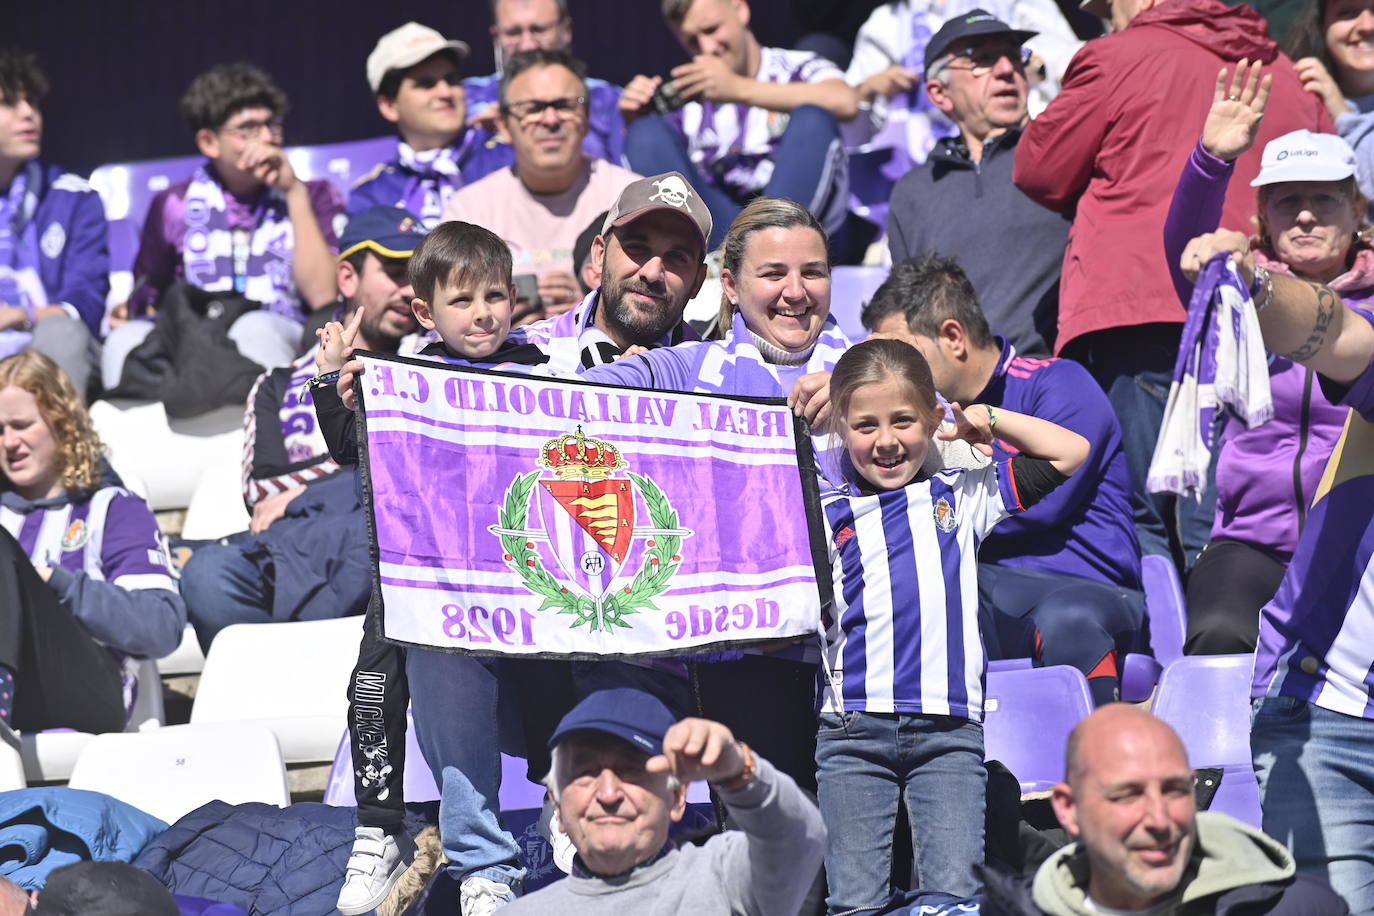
pixel 169 772
pixel 186 658
pixel 216 508
pixel 11 764
pixel 168 456
pixel 289 677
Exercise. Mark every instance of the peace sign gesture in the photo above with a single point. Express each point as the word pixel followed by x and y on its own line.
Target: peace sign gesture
pixel 1234 118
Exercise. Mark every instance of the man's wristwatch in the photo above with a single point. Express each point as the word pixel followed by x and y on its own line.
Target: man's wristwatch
pixel 746 775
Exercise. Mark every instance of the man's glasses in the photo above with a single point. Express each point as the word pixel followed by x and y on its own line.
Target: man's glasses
pixel 249 130
pixel 566 108
pixel 979 59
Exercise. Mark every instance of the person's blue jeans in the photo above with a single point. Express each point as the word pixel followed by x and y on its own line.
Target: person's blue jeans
pixel 867 765
pixel 1135 366
pixel 227 583
pixel 1316 779
pixel 804 166
pixel 455 703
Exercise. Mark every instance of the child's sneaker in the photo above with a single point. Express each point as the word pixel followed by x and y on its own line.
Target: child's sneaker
pixel 482 896
pixel 376 864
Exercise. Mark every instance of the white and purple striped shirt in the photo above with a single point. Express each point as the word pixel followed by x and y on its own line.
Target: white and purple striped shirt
pixel 109 564
pixel 733 143
pixel 903 635
pixel 1316 637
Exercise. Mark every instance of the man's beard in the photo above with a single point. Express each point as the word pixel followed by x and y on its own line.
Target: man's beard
pixel 634 325
pixel 378 335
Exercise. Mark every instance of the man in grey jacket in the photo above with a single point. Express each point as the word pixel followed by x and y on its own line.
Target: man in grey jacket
pixel 621 767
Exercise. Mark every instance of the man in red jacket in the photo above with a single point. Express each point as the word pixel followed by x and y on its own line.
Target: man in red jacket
pixel 1108 150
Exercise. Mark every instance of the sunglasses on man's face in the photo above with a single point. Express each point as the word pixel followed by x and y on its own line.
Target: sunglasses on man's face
pixel 979 59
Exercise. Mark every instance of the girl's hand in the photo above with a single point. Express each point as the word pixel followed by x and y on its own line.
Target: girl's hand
pixel 973 425
pixel 336 342
pixel 1317 80
pixel 1234 119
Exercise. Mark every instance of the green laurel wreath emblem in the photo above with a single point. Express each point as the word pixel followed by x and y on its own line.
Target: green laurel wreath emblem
pixel 660 561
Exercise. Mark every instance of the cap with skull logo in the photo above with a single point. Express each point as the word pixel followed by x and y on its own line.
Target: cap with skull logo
pixel 669 191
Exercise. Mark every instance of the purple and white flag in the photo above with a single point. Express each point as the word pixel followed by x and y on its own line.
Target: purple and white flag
pixel 547 517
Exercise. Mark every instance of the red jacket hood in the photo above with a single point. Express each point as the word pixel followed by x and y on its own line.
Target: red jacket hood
pixel 1232 32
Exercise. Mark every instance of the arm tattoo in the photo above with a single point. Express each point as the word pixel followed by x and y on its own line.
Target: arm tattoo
pixel 1326 310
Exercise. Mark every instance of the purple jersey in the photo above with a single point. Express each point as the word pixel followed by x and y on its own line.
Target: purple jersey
pixel 1316 639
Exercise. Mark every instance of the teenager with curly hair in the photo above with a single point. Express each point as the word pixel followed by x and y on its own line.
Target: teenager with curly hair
pixel 85 584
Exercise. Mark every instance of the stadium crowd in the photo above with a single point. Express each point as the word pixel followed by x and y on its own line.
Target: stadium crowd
pixel 1055 218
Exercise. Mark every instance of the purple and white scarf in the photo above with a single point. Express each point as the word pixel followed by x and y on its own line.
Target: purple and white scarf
pixel 228 246
pixel 433 177
pixel 1221 363
pixel 20 283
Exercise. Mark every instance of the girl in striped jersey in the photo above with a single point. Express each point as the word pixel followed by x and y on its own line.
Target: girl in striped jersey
pixel 84 579
pixel 904 661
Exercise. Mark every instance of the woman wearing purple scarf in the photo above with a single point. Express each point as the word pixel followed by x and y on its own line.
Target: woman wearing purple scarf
pixel 1310 226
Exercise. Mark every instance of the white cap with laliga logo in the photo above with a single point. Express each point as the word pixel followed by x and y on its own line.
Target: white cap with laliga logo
pixel 1305 156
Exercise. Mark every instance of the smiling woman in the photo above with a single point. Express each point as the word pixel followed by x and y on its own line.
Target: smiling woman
pixel 780 341
pixel 84 580
pixel 1311 225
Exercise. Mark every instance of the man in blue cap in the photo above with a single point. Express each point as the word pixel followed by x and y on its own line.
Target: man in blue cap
pixel 961 201
pixel 304 555
pixel 621 767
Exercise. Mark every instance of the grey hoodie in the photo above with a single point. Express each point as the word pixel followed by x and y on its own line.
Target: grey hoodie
pixel 1228 855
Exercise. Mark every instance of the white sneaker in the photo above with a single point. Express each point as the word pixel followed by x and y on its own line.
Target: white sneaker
pixel 376 864
pixel 482 896
pixel 559 842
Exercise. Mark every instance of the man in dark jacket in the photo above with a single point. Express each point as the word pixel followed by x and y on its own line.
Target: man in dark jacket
pixel 961 201
pixel 1142 846
pixel 305 553
pixel 1107 152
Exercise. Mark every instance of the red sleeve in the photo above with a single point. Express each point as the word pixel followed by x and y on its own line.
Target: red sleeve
pixel 1055 155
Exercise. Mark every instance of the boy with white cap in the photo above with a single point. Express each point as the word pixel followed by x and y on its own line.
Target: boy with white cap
pixel 413 73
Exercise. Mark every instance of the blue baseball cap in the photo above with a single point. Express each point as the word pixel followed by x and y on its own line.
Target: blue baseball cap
pixel 391 232
pixel 973 24
pixel 638 717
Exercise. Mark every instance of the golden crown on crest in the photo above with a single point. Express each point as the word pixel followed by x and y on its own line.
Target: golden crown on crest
pixel 577 456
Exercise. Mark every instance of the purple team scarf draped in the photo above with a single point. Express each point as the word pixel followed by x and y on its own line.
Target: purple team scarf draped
pixel 20 283
pixel 1221 363
pixel 208 256
pixel 548 517
pixel 433 177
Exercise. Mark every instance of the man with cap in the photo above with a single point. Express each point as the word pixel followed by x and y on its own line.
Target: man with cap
pixel 1106 153
pixel 413 73
pixel 961 201
pixel 621 767
pixel 540 204
pixel 304 555
pixel 642 296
